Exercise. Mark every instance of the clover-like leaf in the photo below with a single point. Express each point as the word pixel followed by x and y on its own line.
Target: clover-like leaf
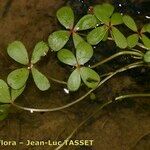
pixel 147 57
pixel 67 57
pixel 74 80
pixel 16 93
pixel 17 78
pixel 4 110
pixel 77 39
pixel 65 16
pixel 4 92
pixel 145 40
pixel 40 50
pixel 116 19
pixel 84 52
pixel 96 35
pixel 146 28
pixel 40 80
pixel 130 23
pixel 103 12
pixel 89 77
pixel 86 22
pixel 18 52
pixel 119 38
pixel 58 39
pixel 132 40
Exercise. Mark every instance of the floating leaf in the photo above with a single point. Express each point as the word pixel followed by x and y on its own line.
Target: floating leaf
pixel 105 36
pixel 77 39
pixel 40 50
pixel 84 52
pixel 18 52
pixel 4 92
pixel 74 81
pixel 129 22
pixel 40 80
pixel 132 40
pixel 16 93
pixel 4 110
pixel 96 35
pixel 103 12
pixel 147 57
pixel 116 19
pixel 119 38
pixel 67 57
pixel 17 78
pixel 146 28
pixel 89 77
pixel 65 16
pixel 145 40
pixel 86 22
pixel 58 39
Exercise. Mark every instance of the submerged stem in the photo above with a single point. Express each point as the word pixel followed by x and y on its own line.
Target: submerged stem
pixel 135 53
pixel 58 81
pixel 133 65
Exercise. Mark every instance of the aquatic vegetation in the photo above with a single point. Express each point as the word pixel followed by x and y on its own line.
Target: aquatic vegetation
pixel 101 25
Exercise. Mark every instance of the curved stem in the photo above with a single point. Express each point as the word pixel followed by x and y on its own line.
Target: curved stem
pixel 135 53
pixel 133 65
pixel 58 81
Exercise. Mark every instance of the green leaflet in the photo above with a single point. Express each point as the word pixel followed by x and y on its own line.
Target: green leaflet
pixel 145 40
pixel 65 16
pixel 74 81
pixel 58 39
pixel 18 52
pixel 4 110
pixel 16 93
pixel 77 39
pixel 147 57
pixel 119 38
pixel 146 28
pixel 67 57
pixel 96 35
pixel 103 12
pixel 129 22
pixel 84 52
pixel 89 77
pixel 86 22
pixel 116 19
pixel 17 78
pixel 132 40
pixel 40 50
pixel 4 92
pixel 40 80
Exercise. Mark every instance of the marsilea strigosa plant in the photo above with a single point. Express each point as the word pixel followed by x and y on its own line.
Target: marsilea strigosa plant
pixel 102 24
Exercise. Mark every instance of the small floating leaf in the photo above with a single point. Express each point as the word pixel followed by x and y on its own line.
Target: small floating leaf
pixel 77 39
pixel 119 38
pixel 86 22
pixel 4 110
pixel 84 52
pixel 4 92
pixel 17 78
pixel 147 57
pixel 40 80
pixel 58 39
pixel 146 28
pixel 145 40
pixel 18 52
pixel 96 35
pixel 116 19
pixel 74 81
pixel 65 16
pixel 89 77
pixel 67 57
pixel 40 50
pixel 16 93
pixel 129 22
pixel 132 40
